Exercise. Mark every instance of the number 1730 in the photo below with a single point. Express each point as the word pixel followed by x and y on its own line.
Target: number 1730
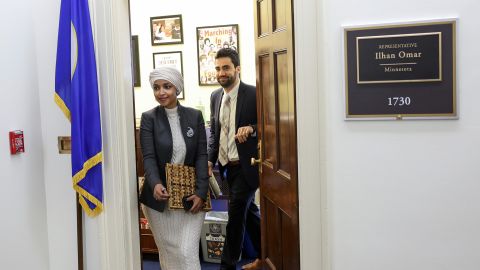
pixel 399 101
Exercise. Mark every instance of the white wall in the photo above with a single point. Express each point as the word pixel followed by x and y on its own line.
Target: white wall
pixel 402 194
pixel 23 229
pixel 60 196
pixel 194 14
pixel 38 230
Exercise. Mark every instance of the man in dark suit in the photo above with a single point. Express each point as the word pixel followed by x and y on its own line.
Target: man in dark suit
pixel 233 142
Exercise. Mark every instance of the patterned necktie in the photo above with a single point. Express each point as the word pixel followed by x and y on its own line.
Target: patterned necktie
pixel 223 154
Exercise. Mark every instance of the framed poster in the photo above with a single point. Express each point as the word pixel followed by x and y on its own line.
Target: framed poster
pixel 401 71
pixel 135 62
pixel 169 59
pixel 209 40
pixel 166 30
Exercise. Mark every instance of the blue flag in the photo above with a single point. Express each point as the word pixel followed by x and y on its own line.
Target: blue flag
pixel 76 93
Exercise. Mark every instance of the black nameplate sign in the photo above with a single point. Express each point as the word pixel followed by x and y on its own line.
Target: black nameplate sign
pixel 399 58
pixel 401 71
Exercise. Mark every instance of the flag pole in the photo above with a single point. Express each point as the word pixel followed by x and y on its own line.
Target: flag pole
pixel 79 233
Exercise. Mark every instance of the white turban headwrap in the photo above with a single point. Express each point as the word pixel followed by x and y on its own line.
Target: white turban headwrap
pixel 168 74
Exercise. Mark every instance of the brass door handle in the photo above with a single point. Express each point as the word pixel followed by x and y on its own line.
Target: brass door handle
pixel 258 161
pixel 254 161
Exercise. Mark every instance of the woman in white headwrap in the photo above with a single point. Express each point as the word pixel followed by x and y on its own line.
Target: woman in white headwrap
pixel 171 133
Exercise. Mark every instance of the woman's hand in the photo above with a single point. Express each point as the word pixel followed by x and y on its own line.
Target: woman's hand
pixel 210 168
pixel 197 203
pixel 160 193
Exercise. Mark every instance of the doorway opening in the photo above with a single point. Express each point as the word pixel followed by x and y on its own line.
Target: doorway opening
pixel 166 33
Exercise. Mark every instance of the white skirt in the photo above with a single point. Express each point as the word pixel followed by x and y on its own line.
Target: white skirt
pixel 177 235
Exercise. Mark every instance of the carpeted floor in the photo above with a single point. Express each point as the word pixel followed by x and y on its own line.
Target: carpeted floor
pixel 151 263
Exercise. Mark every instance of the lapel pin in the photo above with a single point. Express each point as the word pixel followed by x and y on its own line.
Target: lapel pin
pixel 190 132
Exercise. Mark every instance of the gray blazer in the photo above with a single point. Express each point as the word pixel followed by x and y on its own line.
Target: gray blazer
pixel 157 146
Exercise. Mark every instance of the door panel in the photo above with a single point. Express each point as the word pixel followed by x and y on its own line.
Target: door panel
pixel 268 113
pixel 277 133
pixel 273 241
pixel 281 79
pixel 262 17
pixel 280 13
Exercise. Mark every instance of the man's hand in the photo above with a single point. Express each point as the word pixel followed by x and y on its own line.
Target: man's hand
pixel 160 193
pixel 197 203
pixel 243 133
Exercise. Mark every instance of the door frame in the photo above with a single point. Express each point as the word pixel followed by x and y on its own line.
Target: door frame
pixel 311 129
pixel 112 240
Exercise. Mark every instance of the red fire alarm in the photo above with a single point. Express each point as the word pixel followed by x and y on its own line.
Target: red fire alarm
pixel 16 142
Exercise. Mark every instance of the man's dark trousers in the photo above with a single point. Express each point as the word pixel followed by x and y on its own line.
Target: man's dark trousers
pixel 242 214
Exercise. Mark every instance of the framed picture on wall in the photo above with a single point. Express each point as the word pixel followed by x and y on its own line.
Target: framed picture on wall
pixel 136 62
pixel 169 59
pixel 166 30
pixel 209 40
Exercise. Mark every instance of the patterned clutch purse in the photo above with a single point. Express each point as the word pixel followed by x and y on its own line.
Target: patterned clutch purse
pixel 181 183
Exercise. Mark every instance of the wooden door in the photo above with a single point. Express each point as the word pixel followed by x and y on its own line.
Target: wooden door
pixel 274 46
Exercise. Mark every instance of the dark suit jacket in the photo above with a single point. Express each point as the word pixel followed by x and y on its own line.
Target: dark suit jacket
pixel 157 147
pixel 245 114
